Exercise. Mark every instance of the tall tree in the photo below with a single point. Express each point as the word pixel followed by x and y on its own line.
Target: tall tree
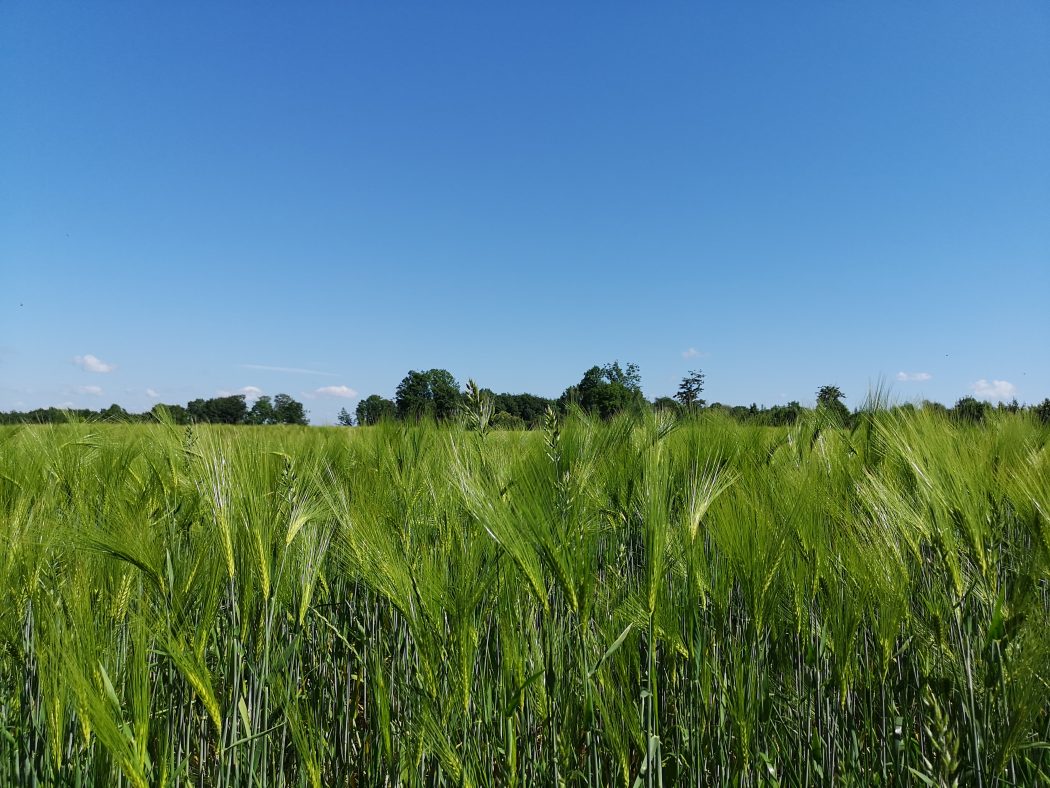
pixel 288 411
pixel 530 408
pixel 689 389
pixel 434 393
pixel 829 395
pixel 412 397
pixel 222 410
pixel 197 410
pixel 114 413
pixel 345 419
pixel 262 411
pixel 374 409
pixel 445 393
pixel 970 410
pixel 607 390
pixel 629 377
pixel 830 399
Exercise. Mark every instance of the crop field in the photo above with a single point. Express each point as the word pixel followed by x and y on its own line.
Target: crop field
pixel 642 601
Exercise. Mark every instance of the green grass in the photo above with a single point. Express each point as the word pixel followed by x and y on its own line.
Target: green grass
pixel 631 603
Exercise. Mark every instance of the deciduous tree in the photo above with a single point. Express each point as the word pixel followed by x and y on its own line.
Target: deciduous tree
pixel 374 409
pixel 606 390
pixel 434 393
pixel 829 398
pixel 970 410
pixel 288 411
pixel 689 389
pixel 262 411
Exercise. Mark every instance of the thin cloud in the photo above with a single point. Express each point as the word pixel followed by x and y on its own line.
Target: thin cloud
pixel 694 353
pixel 336 391
pixel 95 391
pixel 92 363
pixel 249 392
pixel 293 370
pixel 994 389
pixel 914 376
pixel 152 393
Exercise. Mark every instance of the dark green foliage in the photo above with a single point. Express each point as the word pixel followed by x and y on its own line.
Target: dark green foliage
pixel 502 420
pixel 282 409
pixel 374 409
pixel 1042 411
pixel 114 413
pixel 607 391
pixel 630 377
pixel 432 394
pixel 288 411
pixel 745 414
pixel 783 415
pixel 689 389
pixel 262 411
pixel 969 410
pixel 444 391
pixel 936 408
pixel 413 397
pixel 529 408
pixel 1013 406
pixel 220 410
pixel 345 419
pixel 176 414
pixel 829 401
pixel 667 404
pixel 827 396
pixel 46 416
pixel 199 411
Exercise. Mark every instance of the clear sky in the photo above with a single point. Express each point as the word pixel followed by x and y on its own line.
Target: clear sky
pixel 315 198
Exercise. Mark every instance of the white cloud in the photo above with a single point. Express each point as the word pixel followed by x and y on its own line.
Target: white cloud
pixel 694 353
pixel 93 390
pixel 914 376
pixel 93 363
pixel 152 393
pixel 994 390
pixel 294 370
pixel 336 391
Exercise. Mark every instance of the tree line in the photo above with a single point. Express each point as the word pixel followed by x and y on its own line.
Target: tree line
pixel 233 409
pixel 603 390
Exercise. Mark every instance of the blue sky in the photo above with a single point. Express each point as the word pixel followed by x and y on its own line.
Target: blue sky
pixel 315 198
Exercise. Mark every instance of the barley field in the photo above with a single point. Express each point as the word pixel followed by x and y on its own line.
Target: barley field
pixel 636 602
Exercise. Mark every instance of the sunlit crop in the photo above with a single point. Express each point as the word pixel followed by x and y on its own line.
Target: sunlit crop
pixel 633 602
